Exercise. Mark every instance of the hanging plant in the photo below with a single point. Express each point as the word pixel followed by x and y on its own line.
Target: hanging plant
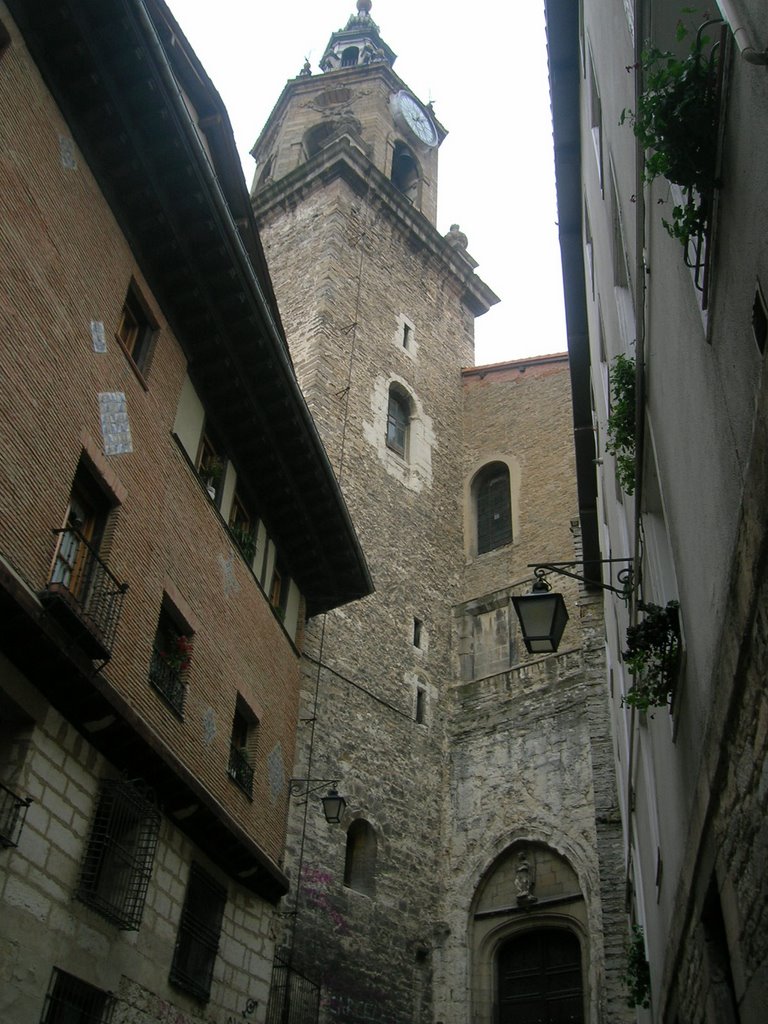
pixel 637 976
pixel 620 441
pixel 653 649
pixel 676 123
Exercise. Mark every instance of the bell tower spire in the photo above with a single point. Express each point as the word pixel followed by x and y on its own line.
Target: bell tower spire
pixel 358 43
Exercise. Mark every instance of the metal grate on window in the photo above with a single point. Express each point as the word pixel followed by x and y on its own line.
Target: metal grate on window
pixel 293 997
pixel 13 811
pixel 240 769
pixel 197 941
pixel 72 1001
pixel 121 848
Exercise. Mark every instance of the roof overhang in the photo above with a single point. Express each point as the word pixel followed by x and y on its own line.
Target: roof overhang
pixel 562 20
pixel 114 67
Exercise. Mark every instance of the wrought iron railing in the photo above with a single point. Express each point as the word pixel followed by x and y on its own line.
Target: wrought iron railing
pixel 293 997
pixel 13 811
pixel 698 251
pixel 84 594
pixel 240 769
pixel 168 681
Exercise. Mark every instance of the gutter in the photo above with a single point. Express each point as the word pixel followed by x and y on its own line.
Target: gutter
pixel 736 21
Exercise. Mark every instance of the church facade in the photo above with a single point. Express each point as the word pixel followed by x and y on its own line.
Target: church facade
pixel 475 872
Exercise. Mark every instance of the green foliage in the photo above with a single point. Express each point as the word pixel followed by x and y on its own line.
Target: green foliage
pixel 637 977
pixel 620 441
pixel 653 648
pixel 245 540
pixel 676 122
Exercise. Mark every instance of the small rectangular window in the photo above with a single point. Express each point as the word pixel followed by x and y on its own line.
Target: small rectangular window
pixel 121 848
pixel 210 468
pixel 406 335
pixel 421 704
pixel 171 657
pixel 417 627
pixel 242 747
pixel 197 940
pixel 72 1001
pixel 136 330
pixel 243 529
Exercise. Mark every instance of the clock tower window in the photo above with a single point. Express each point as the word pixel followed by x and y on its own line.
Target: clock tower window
pixel 349 57
pixel 405 172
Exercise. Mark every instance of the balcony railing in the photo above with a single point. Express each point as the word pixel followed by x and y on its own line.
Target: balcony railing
pixel 168 681
pixel 240 769
pixel 83 595
pixel 13 811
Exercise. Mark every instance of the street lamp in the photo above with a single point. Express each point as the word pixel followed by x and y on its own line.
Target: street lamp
pixel 333 803
pixel 542 616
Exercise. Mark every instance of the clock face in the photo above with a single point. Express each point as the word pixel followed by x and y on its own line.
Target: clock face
pixel 417 119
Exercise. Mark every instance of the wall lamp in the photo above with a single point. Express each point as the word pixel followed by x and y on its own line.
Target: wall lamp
pixel 333 803
pixel 543 615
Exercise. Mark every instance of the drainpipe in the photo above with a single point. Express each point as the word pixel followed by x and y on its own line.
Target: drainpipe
pixel 750 53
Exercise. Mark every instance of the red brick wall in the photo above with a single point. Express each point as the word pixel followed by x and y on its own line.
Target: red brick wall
pixel 65 262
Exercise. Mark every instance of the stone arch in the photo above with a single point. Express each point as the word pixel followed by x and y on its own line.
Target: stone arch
pixel 318 137
pixel 529 887
pixel 360 857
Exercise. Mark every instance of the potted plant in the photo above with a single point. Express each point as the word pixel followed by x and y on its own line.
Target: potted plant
pixel 653 650
pixel 245 540
pixel 637 976
pixel 620 441
pixel 211 472
pixel 676 122
pixel 176 653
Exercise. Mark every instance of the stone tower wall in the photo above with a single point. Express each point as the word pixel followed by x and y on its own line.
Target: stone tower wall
pixel 363 280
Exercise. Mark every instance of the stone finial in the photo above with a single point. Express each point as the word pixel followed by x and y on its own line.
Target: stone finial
pixel 364 6
pixel 456 238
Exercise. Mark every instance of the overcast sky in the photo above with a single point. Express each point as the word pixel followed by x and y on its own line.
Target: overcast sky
pixel 484 65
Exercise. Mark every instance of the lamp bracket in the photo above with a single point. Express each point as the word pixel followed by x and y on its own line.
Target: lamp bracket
pixel 311 786
pixel 624 577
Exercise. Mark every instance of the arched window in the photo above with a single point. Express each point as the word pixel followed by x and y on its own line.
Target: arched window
pixel 360 860
pixel 318 137
pixel 398 419
pixel 539 977
pixel 349 57
pixel 493 507
pixel 405 171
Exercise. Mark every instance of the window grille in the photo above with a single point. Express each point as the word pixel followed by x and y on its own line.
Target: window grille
pixel 240 769
pixel 494 512
pixel 13 811
pixel 197 940
pixel 171 655
pixel 72 1001
pixel 293 998
pixel 121 848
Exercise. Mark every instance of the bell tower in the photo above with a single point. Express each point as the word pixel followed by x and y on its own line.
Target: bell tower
pixel 358 100
pixel 379 309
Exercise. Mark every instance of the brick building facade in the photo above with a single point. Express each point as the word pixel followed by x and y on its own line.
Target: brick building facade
pixel 167 519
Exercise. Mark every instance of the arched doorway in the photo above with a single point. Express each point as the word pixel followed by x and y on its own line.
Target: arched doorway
pixel 539 978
